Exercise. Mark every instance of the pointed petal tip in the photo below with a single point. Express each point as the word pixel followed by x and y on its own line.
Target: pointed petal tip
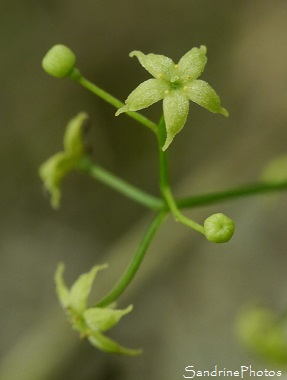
pixel 134 352
pixel 203 48
pixel 224 112
pixel 100 267
pixel 135 53
pixel 61 288
pixel 128 309
pixel 55 203
pixel 61 266
pixel 95 269
pixel 121 110
pixel 167 144
pixel 106 344
pixel 59 271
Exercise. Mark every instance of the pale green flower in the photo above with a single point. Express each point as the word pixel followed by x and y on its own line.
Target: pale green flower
pixel 276 170
pixel 53 170
pixel 264 333
pixel 90 322
pixel 176 84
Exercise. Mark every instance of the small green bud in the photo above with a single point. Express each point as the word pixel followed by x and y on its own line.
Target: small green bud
pixel 218 228
pixel 59 61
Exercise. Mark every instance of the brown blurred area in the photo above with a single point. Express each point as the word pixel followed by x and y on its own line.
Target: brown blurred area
pixel 188 291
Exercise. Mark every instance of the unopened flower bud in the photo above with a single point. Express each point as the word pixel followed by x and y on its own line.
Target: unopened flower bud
pixel 59 61
pixel 218 228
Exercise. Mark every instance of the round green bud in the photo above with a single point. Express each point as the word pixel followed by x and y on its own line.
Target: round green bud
pixel 59 61
pixel 218 228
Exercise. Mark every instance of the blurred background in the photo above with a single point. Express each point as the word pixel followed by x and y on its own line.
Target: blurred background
pixel 188 292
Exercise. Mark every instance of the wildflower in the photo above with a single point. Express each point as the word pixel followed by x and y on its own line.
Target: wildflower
pixel 176 84
pixel 90 322
pixel 263 332
pixel 53 170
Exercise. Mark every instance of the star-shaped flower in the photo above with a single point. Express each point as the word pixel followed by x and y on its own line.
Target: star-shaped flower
pixel 176 84
pixel 90 322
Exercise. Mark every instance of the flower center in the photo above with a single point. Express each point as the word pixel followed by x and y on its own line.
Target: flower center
pixel 175 82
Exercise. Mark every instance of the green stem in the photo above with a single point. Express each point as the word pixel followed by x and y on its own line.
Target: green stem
pixel 113 101
pixel 165 186
pixel 163 158
pixel 116 183
pixel 178 215
pixel 158 204
pixel 253 189
pixel 135 263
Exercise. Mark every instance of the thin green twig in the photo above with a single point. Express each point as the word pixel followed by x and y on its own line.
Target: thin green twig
pixel 236 193
pixel 135 263
pixel 114 101
pixel 157 204
pixel 165 183
pixel 178 215
pixel 123 187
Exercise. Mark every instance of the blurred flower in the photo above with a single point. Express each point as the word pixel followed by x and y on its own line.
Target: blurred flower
pixel 60 164
pixel 276 170
pixel 90 322
pixel 264 333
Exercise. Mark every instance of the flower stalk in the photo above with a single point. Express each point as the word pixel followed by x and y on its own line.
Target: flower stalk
pixel 114 101
pixel 165 183
pixel 135 263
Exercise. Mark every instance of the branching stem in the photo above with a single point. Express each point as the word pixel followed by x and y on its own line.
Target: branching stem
pixel 120 185
pixel 165 183
pixel 156 203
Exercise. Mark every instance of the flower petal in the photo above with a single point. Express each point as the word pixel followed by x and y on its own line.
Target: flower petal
pixel 81 289
pixel 175 110
pixel 192 64
pixel 73 139
pixel 53 171
pixel 61 288
pixel 203 94
pixel 102 319
pixel 106 344
pixel 146 94
pixel 159 66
